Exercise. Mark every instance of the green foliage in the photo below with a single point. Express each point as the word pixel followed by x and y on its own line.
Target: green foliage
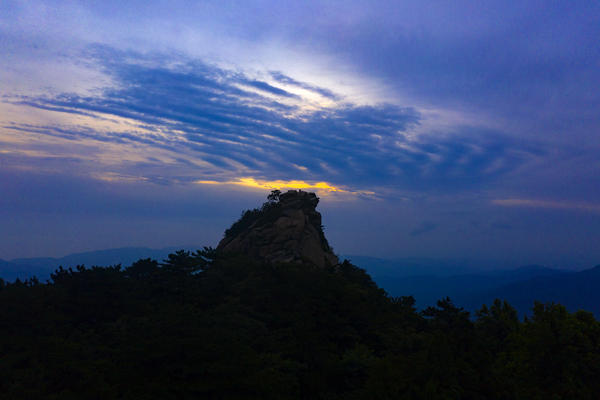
pixel 210 325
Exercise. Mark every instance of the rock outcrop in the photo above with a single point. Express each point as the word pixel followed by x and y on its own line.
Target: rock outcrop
pixel 286 229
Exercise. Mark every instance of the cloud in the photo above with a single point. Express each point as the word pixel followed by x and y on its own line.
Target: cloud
pixel 282 78
pixel 269 89
pixel 168 118
pixel 548 204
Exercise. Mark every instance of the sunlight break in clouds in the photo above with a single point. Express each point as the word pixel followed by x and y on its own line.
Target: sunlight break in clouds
pixel 323 188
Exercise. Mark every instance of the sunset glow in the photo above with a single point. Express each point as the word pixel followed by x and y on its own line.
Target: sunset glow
pixel 323 188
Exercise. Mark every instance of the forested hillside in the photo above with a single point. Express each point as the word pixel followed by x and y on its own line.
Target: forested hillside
pixel 218 326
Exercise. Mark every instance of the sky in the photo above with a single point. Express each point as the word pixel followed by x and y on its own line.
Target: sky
pixel 439 129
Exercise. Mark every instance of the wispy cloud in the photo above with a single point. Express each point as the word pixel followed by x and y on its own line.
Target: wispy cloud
pixel 548 204
pixel 199 122
pixel 282 78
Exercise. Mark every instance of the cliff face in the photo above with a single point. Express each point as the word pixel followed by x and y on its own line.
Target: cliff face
pixel 286 229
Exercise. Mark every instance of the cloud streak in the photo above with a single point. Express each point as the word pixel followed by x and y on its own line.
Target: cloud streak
pixel 213 124
pixel 548 204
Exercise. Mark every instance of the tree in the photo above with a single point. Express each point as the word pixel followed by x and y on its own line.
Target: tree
pixel 183 261
pixel 274 196
pixel 142 268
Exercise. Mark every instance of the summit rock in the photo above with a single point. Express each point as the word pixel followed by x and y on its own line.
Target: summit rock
pixel 287 228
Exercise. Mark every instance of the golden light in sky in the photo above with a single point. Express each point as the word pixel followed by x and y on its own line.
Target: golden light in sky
pixel 323 188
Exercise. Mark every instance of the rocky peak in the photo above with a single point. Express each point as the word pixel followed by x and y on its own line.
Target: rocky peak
pixel 287 228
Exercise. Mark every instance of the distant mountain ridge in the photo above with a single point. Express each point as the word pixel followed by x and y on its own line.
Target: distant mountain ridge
pixel 412 266
pixel 574 290
pixel 42 267
pixel 430 280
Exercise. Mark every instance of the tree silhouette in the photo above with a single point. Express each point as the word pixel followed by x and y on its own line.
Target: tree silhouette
pixel 213 325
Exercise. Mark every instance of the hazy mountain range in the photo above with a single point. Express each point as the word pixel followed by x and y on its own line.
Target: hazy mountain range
pixel 426 279
pixel 430 280
pixel 42 267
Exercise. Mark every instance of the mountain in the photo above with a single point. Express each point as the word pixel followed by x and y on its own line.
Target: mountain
pixel 42 267
pixel 431 280
pixel 526 272
pixel 574 290
pixel 287 228
pixel 434 267
pixel 412 266
pixel 10 271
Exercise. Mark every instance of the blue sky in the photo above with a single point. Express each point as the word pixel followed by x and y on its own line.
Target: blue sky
pixel 439 129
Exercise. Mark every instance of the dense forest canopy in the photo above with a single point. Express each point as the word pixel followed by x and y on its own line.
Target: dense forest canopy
pixel 212 325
